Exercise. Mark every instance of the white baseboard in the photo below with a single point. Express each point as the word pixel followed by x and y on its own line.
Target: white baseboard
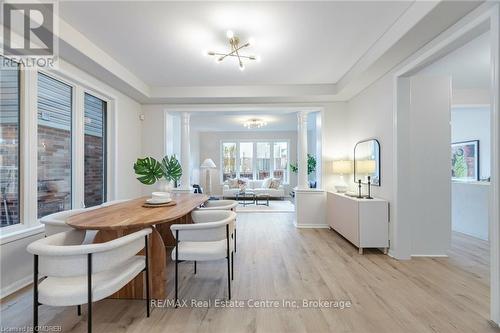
pixel 430 255
pixel 19 284
pixel 312 226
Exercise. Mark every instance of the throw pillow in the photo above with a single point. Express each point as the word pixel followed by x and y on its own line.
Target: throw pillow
pixel 275 184
pixel 267 182
pixel 233 183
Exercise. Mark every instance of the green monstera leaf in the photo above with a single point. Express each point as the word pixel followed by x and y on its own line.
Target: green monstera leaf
pixel 148 169
pixel 171 167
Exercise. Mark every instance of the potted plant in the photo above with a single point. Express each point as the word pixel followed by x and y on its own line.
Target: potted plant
pixel 149 171
pixel 311 165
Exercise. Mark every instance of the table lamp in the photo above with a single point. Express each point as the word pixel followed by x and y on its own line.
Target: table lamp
pixel 342 167
pixel 367 167
pixel 208 164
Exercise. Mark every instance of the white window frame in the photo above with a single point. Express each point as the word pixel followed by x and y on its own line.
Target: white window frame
pixel 28 191
pixel 286 181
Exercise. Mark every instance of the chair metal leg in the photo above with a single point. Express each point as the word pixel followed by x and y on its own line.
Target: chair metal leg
pixel 79 310
pixel 176 266
pixel 195 267
pixel 234 235
pixel 148 300
pixel 228 263
pixel 35 293
pixel 89 292
pixel 232 265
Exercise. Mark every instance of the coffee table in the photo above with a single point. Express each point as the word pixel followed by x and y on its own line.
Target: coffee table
pixel 262 199
pixel 246 198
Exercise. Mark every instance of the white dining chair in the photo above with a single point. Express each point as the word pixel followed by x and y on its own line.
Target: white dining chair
pixel 205 241
pixel 76 274
pixel 56 222
pixel 222 205
pixel 114 202
pixel 219 205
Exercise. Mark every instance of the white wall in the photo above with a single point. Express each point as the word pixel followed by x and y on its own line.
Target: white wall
pixel 470 208
pixel 336 140
pixel 370 117
pixel 210 148
pixel 473 123
pixel 153 141
pixel 16 263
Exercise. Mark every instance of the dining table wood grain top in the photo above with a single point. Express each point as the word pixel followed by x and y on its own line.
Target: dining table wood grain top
pixel 132 215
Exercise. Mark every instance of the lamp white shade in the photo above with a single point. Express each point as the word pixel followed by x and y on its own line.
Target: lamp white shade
pixel 365 166
pixel 342 167
pixel 208 163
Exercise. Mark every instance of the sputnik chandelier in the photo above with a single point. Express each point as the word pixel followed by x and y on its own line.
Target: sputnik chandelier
pixel 235 48
pixel 254 123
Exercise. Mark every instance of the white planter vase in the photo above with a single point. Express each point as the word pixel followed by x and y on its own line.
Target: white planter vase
pixel 164 186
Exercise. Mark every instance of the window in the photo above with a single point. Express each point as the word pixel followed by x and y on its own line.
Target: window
pixel 54 145
pixel 56 142
pixel 263 160
pixel 246 160
pixel 255 160
pixel 281 161
pixel 229 160
pixel 95 151
pixel 9 145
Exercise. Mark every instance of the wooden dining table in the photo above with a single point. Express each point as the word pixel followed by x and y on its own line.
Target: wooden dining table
pixel 127 217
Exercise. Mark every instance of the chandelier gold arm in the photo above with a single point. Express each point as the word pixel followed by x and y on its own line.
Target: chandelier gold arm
pixel 235 47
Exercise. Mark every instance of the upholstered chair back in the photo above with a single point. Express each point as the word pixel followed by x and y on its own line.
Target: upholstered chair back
pixel 63 255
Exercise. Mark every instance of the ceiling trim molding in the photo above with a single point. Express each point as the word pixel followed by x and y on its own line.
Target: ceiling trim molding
pixel 403 24
pixel 73 38
pixel 244 91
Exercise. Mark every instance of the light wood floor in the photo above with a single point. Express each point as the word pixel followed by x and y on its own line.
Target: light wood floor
pixel 276 261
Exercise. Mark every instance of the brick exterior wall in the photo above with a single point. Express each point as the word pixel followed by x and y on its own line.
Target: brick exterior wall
pixel 94 167
pixel 54 170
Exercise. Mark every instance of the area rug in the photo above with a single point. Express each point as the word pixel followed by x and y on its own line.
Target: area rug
pixel 275 206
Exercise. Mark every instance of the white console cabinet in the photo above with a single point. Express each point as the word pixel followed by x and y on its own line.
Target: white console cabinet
pixel 364 222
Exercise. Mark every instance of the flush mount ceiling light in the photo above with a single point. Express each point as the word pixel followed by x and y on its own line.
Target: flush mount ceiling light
pixel 234 50
pixel 254 123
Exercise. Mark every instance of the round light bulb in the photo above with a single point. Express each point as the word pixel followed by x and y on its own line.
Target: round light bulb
pixel 251 41
pixel 229 34
pixel 242 68
pixel 257 58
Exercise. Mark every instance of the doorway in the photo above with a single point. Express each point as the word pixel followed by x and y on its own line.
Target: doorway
pixel 423 196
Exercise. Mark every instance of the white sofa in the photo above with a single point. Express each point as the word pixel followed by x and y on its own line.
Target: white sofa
pixel 256 187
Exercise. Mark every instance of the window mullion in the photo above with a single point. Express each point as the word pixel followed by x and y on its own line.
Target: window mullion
pixel 78 148
pixel 29 151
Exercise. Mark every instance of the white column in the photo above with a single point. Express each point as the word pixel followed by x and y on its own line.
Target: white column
pixel 302 182
pixel 185 152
